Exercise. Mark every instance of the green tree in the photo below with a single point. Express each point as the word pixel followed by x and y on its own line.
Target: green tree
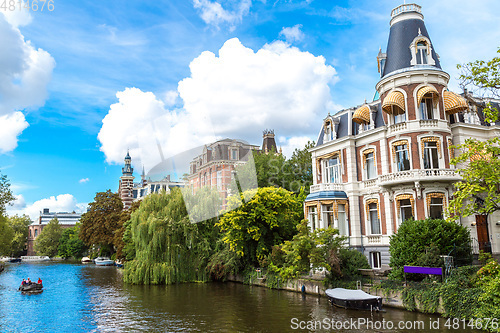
pixel 6 195
pixel 19 226
pixel 168 247
pixel 298 170
pixel 415 238
pixel 268 217
pixel 100 222
pixel 479 161
pixel 118 239
pixel 70 245
pixel 47 242
pixel 6 235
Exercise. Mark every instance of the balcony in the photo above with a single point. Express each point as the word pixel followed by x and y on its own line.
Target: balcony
pixel 397 127
pixel 429 123
pixel 419 175
pixel 327 187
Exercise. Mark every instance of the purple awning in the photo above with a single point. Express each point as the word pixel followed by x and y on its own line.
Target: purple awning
pixel 423 270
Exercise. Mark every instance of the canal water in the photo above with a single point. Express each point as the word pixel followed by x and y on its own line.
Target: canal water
pixel 87 298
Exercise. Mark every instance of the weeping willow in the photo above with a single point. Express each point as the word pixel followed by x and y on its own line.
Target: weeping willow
pixel 168 247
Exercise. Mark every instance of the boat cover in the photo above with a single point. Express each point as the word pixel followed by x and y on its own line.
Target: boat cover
pixel 349 294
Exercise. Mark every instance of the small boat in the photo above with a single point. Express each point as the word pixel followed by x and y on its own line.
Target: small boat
pixel 35 258
pixel 86 260
pixel 15 260
pixel 31 288
pixel 119 263
pixel 104 261
pixel 354 299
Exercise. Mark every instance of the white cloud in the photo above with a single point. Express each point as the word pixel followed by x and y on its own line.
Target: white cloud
pixel 213 13
pixel 61 203
pixel 290 144
pixel 293 34
pixel 18 18
pixel 170 97
pixel 11 126
pixel 24 75
pixel 83 180
pixel 236 94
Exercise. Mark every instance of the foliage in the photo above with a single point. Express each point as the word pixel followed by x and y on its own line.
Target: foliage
pixel 484 257
pixel 70 245
pixel 488 304
pixel 413 238
pixel 168 247
pixel 481 75
pixel 223 262
pixel 6 195
pixel 99 223
pixel 118 237
pixel 267 217
pixel 274 169
pixel 350 261
pixel 489 271
pixel 19 226
pixel 479 190
pixel 6 235
pixel 47 242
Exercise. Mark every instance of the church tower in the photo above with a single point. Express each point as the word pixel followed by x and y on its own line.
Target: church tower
pixel 125 189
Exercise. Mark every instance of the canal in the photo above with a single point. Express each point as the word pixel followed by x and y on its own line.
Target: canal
pixel 87 298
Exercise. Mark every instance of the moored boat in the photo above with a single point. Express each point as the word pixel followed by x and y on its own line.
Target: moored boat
pixel 15 260
pixel 86 260
pixel 354 299
pixel 104 261
pixel 35 258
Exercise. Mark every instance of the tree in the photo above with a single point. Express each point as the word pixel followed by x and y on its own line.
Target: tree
pixel 479 190
pixel 268 217
pixel 6 235
pixel 19 226
pixel 70 245
pixel 168 247
pixel 299 169
pixel 118 239
pixel 47 242
pixel 414 239
pixel 99 223
pixel 6 195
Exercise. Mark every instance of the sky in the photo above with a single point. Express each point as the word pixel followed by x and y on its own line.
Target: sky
pixel 87 81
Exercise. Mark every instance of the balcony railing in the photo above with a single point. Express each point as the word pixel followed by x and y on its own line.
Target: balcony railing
pixel 327 187
pixel 416 175
pixel 429 123
pixel 397 127
pixel 406 8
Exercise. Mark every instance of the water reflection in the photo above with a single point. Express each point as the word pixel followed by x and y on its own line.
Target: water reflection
pixel 83 298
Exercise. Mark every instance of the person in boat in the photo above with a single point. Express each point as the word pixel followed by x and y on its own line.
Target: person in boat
pixel 23 282
pixel 39 281
pixel 29 281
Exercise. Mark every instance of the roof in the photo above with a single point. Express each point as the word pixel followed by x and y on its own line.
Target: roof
pixel 401 35
pixel 326 195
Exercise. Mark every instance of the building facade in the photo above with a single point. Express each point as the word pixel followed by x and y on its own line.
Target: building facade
pixel 380 163
pixel 215 166
pixel 130 191
pixel 66 220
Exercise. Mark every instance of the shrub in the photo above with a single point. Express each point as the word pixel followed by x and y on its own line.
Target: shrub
pixel 437 237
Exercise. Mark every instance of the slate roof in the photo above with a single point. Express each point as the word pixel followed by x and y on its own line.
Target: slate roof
pixel 398 47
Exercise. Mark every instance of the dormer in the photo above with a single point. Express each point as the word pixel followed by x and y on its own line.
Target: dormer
pixel 329 128
pixel 421 51
pixel 381 58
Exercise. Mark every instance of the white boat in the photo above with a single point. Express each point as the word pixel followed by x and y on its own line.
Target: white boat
pixel 86 260
pixel 35 258
pixel 104 261
pixel 354 299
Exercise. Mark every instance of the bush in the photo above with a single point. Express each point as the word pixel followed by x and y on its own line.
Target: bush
pixel 350 261
pixel 421 242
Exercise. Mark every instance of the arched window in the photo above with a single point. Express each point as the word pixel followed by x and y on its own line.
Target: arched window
pixel 421 53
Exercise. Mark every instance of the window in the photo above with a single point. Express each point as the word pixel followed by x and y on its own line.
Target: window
pixel 219 180
pixel 431 155
pixel 436 208
pixel 343 228
pixel 328 133
pixel 30 233
pixel 399 114
pixel 374 221
pixel 405 209
pixel 332 166
pixel 36 232
pixel 313 217
pixel 371 172
pixel 427 108
pixel 375 259
pixel 421 53
pixel 328 215
pixel 402 160
pixel 234 154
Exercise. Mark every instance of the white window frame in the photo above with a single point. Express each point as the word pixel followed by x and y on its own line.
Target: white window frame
pixel 424 110
pixel 435 205
pixel 401 210
pixel 344 231
pixel 367 167
pixel 428 152
pixel 325 213
pixel 331 170
pixel 396 167
pixel 369 219
pixel 375 260
pixel 313 217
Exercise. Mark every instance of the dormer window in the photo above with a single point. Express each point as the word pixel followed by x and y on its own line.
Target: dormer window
pixel 421 53
pixel 329 129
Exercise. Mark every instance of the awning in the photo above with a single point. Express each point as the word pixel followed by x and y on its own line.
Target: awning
pixel 393 98
pixel 425 90
pixel 362 115
pixel 454 103
pixel 322 195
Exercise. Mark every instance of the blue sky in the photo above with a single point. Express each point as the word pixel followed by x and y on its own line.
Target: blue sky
pixel 82 84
